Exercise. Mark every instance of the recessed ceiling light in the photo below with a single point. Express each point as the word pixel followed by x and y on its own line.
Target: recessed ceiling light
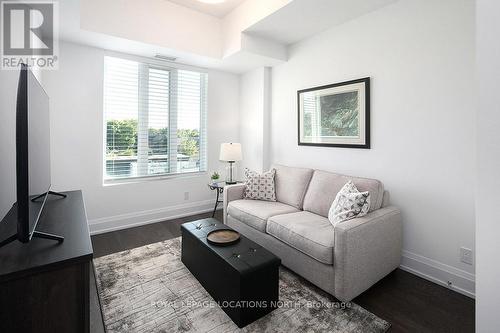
pixel 212 1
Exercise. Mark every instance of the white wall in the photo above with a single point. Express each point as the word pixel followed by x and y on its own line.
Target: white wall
pixel 254 119
pixel 488 166
pixel 77 145
pixel 420 57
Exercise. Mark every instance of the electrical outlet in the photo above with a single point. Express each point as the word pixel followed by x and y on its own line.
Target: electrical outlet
pixel 186 195
pixel 466 255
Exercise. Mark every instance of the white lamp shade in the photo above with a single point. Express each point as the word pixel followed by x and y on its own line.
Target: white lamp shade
pixel 230 152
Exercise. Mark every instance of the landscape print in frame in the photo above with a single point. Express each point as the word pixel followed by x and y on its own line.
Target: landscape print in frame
pixel 335 115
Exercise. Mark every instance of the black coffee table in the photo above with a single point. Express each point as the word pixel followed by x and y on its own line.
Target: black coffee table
pixel 243 278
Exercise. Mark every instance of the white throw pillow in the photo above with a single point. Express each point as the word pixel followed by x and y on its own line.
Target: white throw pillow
pixel 260 187
pixel 348 204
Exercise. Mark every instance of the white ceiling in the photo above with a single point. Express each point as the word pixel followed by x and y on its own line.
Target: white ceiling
pixel 303 18
pixel 215 9
pixel 289 24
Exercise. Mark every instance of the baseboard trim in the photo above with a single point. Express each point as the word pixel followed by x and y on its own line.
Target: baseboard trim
pixel 461 281
pixel 136 219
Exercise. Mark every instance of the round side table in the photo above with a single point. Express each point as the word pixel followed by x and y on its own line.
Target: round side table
pixel 218 187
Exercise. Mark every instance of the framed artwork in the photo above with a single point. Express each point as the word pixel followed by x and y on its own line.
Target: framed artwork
pixel 335 115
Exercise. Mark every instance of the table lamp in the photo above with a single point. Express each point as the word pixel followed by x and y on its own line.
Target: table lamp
pixel 230 152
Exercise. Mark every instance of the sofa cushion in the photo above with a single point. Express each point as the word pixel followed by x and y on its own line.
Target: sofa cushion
pixel 260 187
pixel 348 204
pixel 307 232
pixel 324 187
pixel 255 213
pixel 291 184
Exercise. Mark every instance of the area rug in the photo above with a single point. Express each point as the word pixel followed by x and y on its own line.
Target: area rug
pixel 148 289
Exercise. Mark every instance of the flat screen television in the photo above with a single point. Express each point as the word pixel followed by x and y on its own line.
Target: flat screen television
pixel 32 159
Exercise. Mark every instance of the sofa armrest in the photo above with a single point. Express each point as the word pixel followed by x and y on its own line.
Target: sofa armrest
pixel 366 249
pixel 232 192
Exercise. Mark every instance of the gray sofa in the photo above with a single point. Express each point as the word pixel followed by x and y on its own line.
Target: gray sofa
pixel 345 260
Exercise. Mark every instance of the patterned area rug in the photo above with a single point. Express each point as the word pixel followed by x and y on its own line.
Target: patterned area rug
pixel 148 289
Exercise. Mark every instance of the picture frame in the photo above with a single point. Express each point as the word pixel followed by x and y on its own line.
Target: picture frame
pixel 335 115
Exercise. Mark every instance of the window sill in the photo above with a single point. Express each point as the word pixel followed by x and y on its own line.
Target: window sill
pixel 134 180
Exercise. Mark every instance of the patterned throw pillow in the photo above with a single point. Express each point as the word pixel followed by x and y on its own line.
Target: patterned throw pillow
pixel 260 187
pixel 348 204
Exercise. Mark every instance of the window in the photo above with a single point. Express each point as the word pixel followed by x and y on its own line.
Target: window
pixel 155 120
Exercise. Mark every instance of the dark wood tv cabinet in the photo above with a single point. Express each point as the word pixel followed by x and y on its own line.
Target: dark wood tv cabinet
pixel 44 285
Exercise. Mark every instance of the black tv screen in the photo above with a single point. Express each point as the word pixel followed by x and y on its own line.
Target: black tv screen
pixel 32 152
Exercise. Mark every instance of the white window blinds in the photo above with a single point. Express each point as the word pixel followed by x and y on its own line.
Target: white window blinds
pixel 155 120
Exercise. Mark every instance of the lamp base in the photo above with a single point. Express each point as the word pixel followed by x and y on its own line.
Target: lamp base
pixel 230 180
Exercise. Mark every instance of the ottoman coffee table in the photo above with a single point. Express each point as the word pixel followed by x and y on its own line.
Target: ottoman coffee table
pixel 242 278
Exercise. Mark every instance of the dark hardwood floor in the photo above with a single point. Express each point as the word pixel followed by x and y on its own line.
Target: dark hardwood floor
pixel 408 302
